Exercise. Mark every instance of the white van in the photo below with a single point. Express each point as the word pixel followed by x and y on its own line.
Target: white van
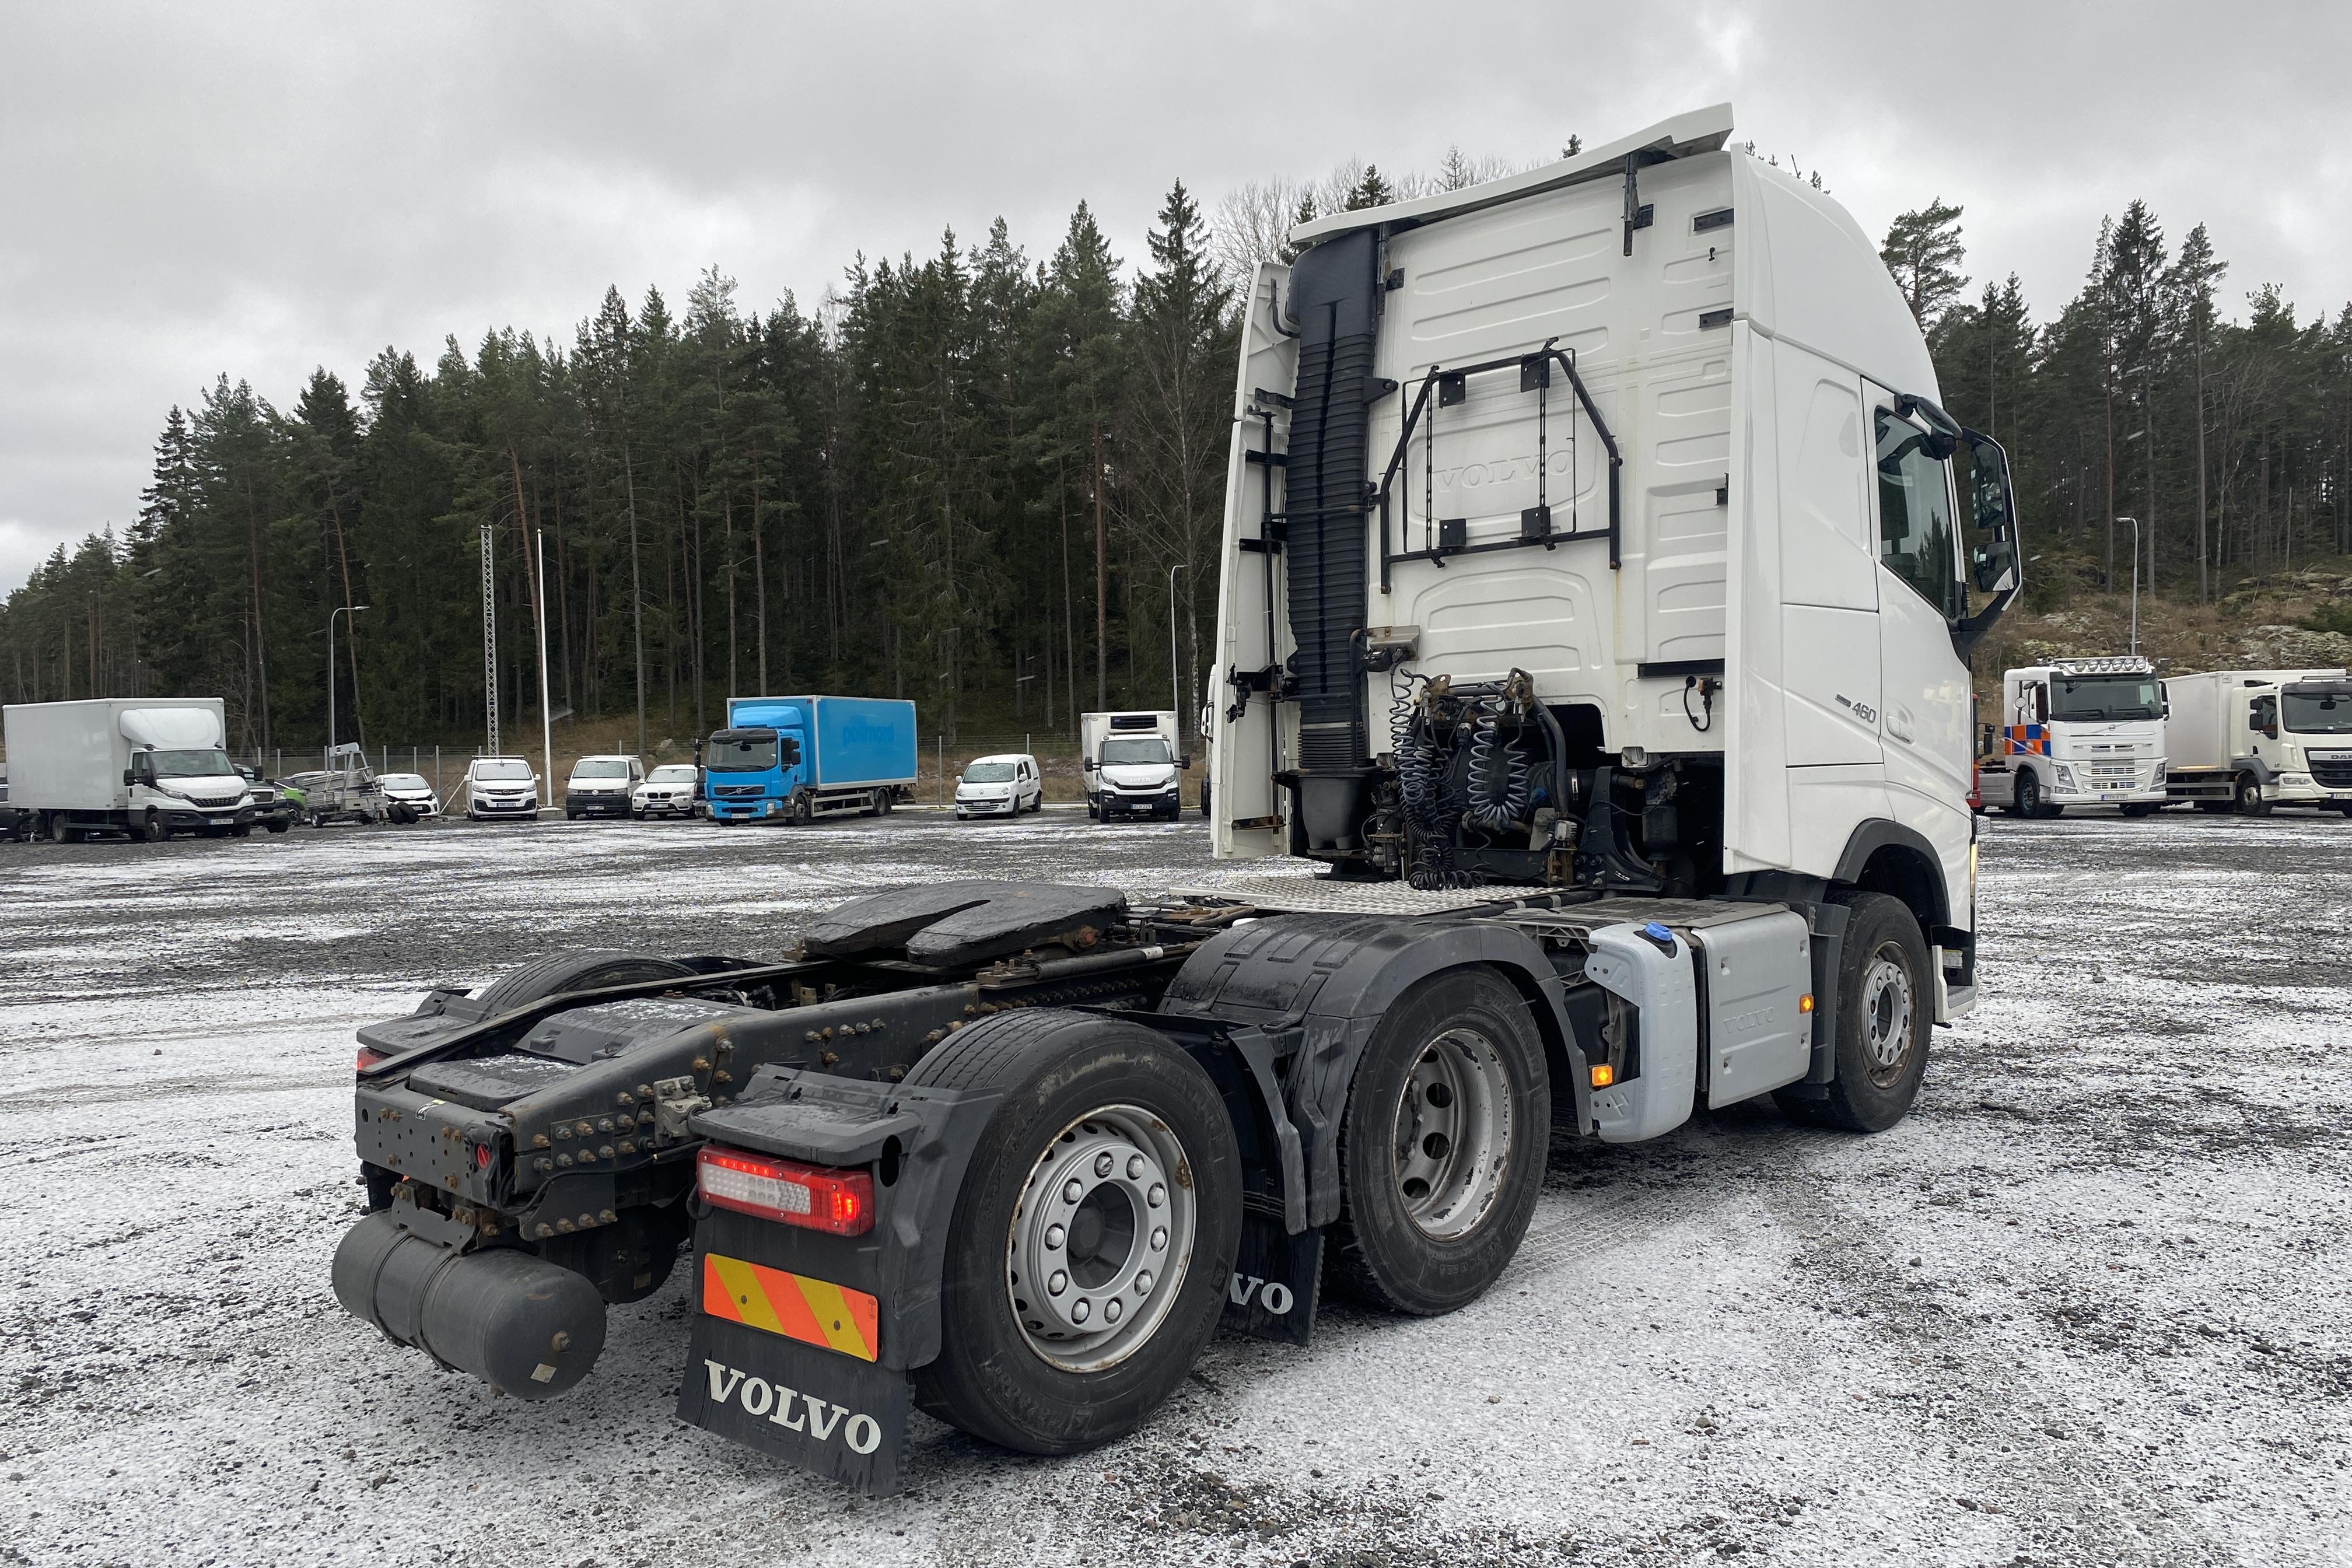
pixel 601 787
pixel 1006 785
pixel 1132 764
pixel 500 789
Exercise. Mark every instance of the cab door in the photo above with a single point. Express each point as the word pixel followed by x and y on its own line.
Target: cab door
pixel 1924 682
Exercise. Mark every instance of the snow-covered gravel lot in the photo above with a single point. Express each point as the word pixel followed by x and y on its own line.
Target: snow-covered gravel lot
pixel 2088 1305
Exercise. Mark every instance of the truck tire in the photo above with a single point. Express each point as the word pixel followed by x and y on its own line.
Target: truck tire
pixel 1111 1111
pixel 1441 1149
pixel 2248 797
pixel 2139 808
pixel 1204 797
pixel 561 971
pixel 61 831
pixel 804 810
pixel 2026 802
pixel 155 829
pixel 1885 1010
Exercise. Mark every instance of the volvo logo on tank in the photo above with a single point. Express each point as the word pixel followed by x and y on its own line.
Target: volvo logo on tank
pixel 792 1410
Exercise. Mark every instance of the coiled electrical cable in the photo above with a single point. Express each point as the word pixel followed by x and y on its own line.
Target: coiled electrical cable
pixel 1500 786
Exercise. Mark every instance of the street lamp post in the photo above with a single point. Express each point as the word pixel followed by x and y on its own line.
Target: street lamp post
pixel 1175 693
pixel 338 610
pixel 2135 598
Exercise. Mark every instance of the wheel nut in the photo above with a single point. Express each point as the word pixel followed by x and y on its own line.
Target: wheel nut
pixel 1143 1283
pixel 1157 1197
pixel 1112 1309
pixel 1159 1241
pixel 1057 1284
pixel 1072 1190
pixel 1054 1236
pixel 1103 1164
pixel 1079 1309
pixel 1135 1167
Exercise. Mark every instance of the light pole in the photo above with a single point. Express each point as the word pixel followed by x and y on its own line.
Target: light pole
pixel 546 717
pixel 338 610
pixel 2135 598
pixel 1175 695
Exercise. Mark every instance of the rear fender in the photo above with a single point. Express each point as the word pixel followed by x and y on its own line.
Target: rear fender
pixel 1331 979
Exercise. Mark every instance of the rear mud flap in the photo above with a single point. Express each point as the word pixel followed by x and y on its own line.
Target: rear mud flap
pixel 825 1412
pixel 1277 1283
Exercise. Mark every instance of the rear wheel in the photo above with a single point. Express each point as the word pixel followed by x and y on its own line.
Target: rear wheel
pixel 1093 1236
pixel 1442 1151
pixel 1884 1003
pixel 61 831
pixel 2249 799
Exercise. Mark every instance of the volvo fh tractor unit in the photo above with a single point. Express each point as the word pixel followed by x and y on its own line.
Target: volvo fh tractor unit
pixel 1600 573
pixel 2077 731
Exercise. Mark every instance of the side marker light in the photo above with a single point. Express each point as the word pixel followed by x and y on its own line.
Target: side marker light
pixel 1604 1076
pixel 1805 1003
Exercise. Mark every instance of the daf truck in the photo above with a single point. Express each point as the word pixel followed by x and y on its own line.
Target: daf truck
pixel 795 759
pixel 2247 740
pixel 148 768
pixel 2078 732
pixel 1600 576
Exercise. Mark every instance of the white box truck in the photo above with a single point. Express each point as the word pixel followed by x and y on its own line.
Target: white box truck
pixel 146 766
pixel 2077 731
pixel 1133 764
pixel 1600 576
pixel 2251 739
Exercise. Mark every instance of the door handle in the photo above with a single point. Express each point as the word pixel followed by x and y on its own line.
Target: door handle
pixel 1898 721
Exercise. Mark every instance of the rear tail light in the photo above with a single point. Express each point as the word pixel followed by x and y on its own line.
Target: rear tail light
pixel 787 1191
pixel 367 1059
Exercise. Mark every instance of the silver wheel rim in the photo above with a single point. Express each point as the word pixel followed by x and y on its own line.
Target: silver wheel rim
pixel 1101 1239
pixel 1886 1014
pixel 1451 1134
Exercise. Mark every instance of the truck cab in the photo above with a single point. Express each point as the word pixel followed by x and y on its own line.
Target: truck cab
pixel 754 770
pixel 2078 732
pixel 1132 764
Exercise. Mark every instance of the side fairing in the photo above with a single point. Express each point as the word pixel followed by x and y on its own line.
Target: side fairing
pixel 1247 745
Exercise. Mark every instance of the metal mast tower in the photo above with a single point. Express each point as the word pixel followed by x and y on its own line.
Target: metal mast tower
pixel 489 639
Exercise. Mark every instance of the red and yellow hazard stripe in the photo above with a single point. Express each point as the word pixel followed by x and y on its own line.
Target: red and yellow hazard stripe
pixel 815 1312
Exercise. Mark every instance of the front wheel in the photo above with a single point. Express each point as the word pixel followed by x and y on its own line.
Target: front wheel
pixel 1092 1239
pixel 2027 795
pixel 1441 1149
pixel 2250 800
pixel 2140 809
pixel 1885 1009
pixel 156 829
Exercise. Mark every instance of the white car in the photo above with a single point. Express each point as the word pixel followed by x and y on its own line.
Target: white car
pixel 671 789
pixel 500 789
pixel 1003 785
pixel 412 791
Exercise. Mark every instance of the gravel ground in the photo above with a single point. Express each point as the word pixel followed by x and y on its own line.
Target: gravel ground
pixel 2087 1306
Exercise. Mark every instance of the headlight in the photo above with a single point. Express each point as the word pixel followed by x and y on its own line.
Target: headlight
pixel 2065 776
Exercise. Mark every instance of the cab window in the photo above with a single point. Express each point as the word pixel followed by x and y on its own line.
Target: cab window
pixel 1917 539
pixel 2262 715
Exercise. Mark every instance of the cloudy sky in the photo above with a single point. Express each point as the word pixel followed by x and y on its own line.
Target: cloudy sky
pixel 259 189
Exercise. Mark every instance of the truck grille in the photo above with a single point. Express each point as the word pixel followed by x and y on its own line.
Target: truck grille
pixel 2124 772
pixel 737 792
pixel 2332 773
pixel 212 802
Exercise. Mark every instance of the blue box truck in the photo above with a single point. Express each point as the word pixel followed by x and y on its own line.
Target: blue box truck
pixel 795 759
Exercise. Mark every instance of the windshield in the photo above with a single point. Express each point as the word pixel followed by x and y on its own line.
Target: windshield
pixel 600 768
pixel 403 781
pixel 741 752
pixel 675 773
pixel 2104 697
pixel 1136 749
pixel 2317 712
pixel 502 769
pixel 190 764
pixel 988 773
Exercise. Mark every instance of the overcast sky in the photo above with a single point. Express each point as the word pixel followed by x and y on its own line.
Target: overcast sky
pixel 261 189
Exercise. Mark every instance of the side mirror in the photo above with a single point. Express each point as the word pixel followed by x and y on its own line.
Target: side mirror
pixel 1092 765
pixel 959 780
pixel 131 775
pixel 1185 763
pixel 1990 507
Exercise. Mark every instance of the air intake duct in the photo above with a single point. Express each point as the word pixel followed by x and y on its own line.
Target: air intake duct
pixel 1336 297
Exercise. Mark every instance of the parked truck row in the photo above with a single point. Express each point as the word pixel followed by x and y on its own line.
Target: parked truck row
pixel 1598 577
pixel 2109 731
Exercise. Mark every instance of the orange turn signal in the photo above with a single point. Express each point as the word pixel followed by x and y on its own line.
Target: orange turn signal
pixel 1805 1003
pixel 1604 1076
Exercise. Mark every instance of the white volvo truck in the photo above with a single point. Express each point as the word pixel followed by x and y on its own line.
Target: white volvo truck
pixel 1600 576
pixel 2247 740
pixel 2078 732
pixel 145 766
